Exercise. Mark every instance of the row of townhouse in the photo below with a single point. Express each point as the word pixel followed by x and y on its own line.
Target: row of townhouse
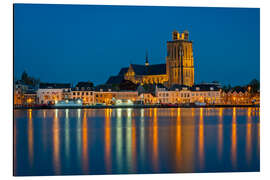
pixel 240 97
pixel 203 93
pixel 50 93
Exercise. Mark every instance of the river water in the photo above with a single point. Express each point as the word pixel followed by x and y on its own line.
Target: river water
pixel 120 141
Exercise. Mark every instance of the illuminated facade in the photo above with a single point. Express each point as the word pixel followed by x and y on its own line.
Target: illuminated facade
pixel 179 67
pixel 203 93
pixel 83 91
pixel 236 97
pixel 180 61
pixel 147 74
pixel 52 92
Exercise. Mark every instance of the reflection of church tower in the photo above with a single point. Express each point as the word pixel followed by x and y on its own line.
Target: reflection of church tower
pixel 146 59
pixel 179 61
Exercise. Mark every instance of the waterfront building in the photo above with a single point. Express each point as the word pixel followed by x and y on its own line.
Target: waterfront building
pixel 206 93
pixel 109 97
pixel 22 93
pixel 148 98
pixel 127 95
pixel 83 91
pixel 52 92
pixel 179 94
pixel 174 95
pixel 30 98
pixel 162 95
pixel 239 96
pixel 104 97
pixel 255 98
pixel 178 69
pixel 18 95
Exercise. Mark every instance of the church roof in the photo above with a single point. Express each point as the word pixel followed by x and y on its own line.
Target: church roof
pixel 115 79
pixel 123 71
pixel 155 69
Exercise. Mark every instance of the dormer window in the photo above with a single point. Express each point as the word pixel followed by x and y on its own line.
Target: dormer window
pixel 211 89
pixel 197 88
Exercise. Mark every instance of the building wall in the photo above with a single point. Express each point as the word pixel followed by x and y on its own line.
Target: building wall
pixel 30 99
pixel 238 98
pixel 127 95
pixel 209 97
pixel 103 97
pixel 18 96
pixel 87 97
pixel 151 79
pixel 49 95
pixel 180 61
pixel 187 96
pixel 145 79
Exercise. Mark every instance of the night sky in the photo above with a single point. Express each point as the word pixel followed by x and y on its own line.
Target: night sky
pixel 71 43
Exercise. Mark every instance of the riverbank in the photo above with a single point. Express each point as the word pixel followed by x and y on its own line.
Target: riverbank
pixel 135 106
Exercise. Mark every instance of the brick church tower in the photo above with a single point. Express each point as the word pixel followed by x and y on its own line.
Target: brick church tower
pixel 179 60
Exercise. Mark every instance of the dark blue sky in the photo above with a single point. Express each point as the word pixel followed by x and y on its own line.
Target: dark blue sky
pixel 71 43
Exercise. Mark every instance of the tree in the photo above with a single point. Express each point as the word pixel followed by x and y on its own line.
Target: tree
pixel 254 86
pixel 24 76
pixel 28 80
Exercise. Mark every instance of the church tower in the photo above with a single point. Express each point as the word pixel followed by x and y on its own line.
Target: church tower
pixel 179 60
pixel 146 59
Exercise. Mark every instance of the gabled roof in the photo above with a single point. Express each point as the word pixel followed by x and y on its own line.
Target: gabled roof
pixel 239 89
pixel 155 69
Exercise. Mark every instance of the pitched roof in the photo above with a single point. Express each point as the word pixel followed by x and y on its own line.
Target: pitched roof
pixel 54 85
pixel 205 87
pixel 179 87
pixel 155 69
pixel 123 71
pixel 115 79
pixel 84 84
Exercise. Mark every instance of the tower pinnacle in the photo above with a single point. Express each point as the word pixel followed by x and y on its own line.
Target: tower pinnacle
pixel 146 59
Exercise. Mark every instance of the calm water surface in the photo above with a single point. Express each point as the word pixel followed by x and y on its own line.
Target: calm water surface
pixel 118 141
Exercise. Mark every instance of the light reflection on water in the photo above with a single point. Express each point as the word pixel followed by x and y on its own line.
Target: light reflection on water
pixel 115 141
